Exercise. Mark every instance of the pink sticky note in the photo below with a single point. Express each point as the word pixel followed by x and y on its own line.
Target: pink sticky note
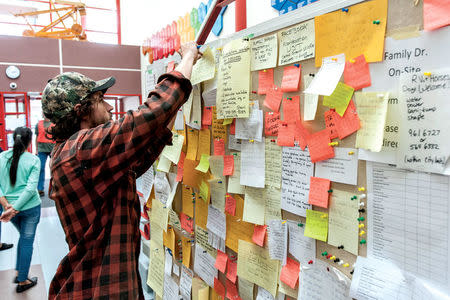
pixel 219 147
pixel 301 134
pixel 228 165
pixel 348 123
pixel 318 146
pixel 265 81
pixel 221 261
pixel 219 288
pixel 233 127
pixel 273 98
pixel 232 291
pixel 259 233
pixel 187 223
pixel 271 123
pixel 291 109
pixel 436 14
pixel 230 205
pixel 330 122
pixel 289 273
pixel 291 79
pixel 180 167
pixel 318 191
pixel 286 134
pixel 207 116
pixel 356 73
pixel 231 271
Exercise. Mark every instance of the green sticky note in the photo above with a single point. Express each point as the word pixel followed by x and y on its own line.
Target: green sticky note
pixel 204 191
pixel 316 225
pixel 203 165
pixel 227 121
pixel 340 98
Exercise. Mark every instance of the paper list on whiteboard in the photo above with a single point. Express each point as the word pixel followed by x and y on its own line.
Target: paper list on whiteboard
pixel 253 163
pixel 408 220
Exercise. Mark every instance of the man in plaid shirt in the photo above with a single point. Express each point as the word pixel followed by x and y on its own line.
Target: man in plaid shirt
pixel 94 168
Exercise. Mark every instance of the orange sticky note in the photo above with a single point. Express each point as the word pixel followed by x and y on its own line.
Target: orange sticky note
pixel 318 191
pixel 207 116
pixel 330 122
pixel 230 205
pixel 180 166
pixel 191 177
pixel 301 134
pixel 271 123
pixel 436 14
pixel 349 122
pixel 233 127
pixel 291 109
pixel 289 273
pixel 170 66
pixel 265 81
pixel 356 73
pixel 318 146
pixel 291 79
pixel 186 250
pixel 259 234
pixel 231 271
pixel 187 200
pixel 219 288
pixel 232 291
pixel 228 165
pixel 187 223
pixel 221 261
pixel 219 147
pixel 192 144
pixel 286 134
pixel 204 143
pixel 273 98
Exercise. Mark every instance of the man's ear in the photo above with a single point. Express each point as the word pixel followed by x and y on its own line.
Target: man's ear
pixel 76 108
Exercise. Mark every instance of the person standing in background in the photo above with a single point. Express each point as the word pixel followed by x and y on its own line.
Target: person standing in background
pixel 44 149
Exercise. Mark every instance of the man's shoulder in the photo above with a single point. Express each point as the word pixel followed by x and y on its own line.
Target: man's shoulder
pixel 67 150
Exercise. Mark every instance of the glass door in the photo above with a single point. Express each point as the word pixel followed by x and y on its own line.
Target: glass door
pixel 13 113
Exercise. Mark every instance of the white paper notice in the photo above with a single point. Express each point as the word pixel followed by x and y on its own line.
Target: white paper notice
pixel 310 102
pixel 204 265
pixel 171 289
pixel 253 163
pixel 168 263
pixel 172 152
pixel 179 120
pixel 301 247
pixel 176 270
pixel 273 166
pixel 328 76
pixel 250 128
pixel 186 283
pixel 277 240
pixel 254 206
pixel 196 111
pixel 297 43
pixel 263 294
pixel 245 289
pixel 424 128
pixel 216 222
pixel 342 168
pixel 146 183
pixel 234 143
pixel 162 187
pixel 264 52
pixel 297 171
pixel 234 181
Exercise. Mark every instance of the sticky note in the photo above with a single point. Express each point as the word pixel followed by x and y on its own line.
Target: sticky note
pixel 204 191
pixel 180 167
pixel 204 143
pixel 230 205
pixel 186 250
pixel 201 211
pixel 232 291
pixel 325 81
pixel 187 223
pixel 219 288
pixel 219 147
pixel 203 165
pixel 316 225
pixel 205 68
pixel 289 272
pixel 164 164
pixel 187 200
pixel 296 42
pixel 310 101
pixel 221 261
pixel 191 177
pixel 207 116
pixel 271 123
pixel 219 131
pixel 227 121
pixel 356 73
pixel 231 271
pixel 265 81
pixel 192 144
pixel 228 165
pixel 358 34
pixel 169 238
pixel 273 98
pixel 236 228
pixel 259 234
pixel 233 127
pixel 286 134
pixel 291 79
pixel 436 14
pixel 318 146
pixel 264 52
pixel 340 98
pixel 349 122
pixel 318 191
pixel 301 134
pixel 330 122
pixel 291 109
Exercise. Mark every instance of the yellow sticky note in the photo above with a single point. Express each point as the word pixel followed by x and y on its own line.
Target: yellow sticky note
pixel 155 278
pixel 163 164
pixel 219 130
pixel 172 152
pixel 201 212
pixel 204 191
pixel 203 165
pixel 187 200
pixel 205 67
pixel 204 143
pixel 340 98
pixel 186 251
pixel 353 32
pixel 254 206
pixel 192 144
pixel 169 239
pixel 316 225
pixel 237 229
pixel 227 121
pixel 159 214
pixel 200 290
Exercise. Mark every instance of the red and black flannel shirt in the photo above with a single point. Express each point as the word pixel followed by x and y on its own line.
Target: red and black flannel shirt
pixel 94 186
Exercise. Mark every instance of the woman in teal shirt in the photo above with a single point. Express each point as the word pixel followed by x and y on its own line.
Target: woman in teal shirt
pixel 19 176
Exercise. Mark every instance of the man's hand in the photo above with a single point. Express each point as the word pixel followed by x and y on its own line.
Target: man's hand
pixel 190 49
pixel 189 54
pixel 8 214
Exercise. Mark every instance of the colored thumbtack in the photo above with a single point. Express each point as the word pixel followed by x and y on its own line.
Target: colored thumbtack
pixel 323 216
pixel 333 257
pixel 195 121
pixel 362 210
pixel 324 253
pixel 330 191
pixel 312 75
pixel 300 225
pixel 219 181
pixel 297 65
pixel 264 70
pixel 177 222
pixel 235 154
pixel 362 242
pixel 219 49
pixel 361 189
pixel 341 247
pixel 353 198
pixel 336 260
pixel 345 9
pixel 254 92
pixel 199 46
pixel 362 196
pixel 427 73
pixel 340 263
pixel 328 256
pixel 351 272
pixel 351 153
pixel 352 60
pixel 251 141
pixel 273 141
pixel 361 225
pixel 362 233
pixel 334 59
pixel 310 262
pixel 345 265
pixel 289 98
pixel 284 222
pixel 361 219
pixel 361 204
pixel 376 22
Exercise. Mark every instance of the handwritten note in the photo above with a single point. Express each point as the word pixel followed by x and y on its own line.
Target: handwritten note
pixel 164 164
pixel 196 112
pixel 435 14
pixel 218 190
pixel 273 98
pixel 297 43
pixel 301 247
pixel 259 235
pixel 236 228
pixel 254 206
pixel 326 80
pixel 272 200
pixel 316 225
pixel 372 109
pixel 277 240
pixel 340 98
pixel 219 147
pixel 192 144
pixel 265 81
pixel 271 123
pixel 207 116
pixel 289 273
pixel 203 165
pixel 264 52
pixel 250 128
pixel 187 223
pixel 233 86
pixel 234 143
pixel 342 168
pixel 357 73
pixel 180 167
pixel 186 283
pixel 253 163
pixel 330 117
pixel 159 215
pixel 204 265
pixel 219 131
pixel 186 251
pixel 228 165
pixel 221 261
pixel 171 288
pixel 205 68
pixel 204 143
pixel 348 123
pixel 361 34
pixel 231 271
pixel 204 191
pixel 310 101
pixel 264 294
pixel 291 79
pixel 318 191
pixel 286 134
pixel 202 238
pixel 318 146
pixel 179 120
pixel 216 222
pixel 172 152
pixel 230 205
pixel 297 170
pixel 273 166
pixel 291 109
pixel 155 278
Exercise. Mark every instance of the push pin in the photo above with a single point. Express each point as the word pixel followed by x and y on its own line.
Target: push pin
pixel 352 60
pixel 289 98
pixel 340 263
pixel 362 233
pixel 312 75
pixel 284 222
pixel 332 257
pixel 346 265
pixel 361 225
pixel 330 191
pixel 334 59
pixel 254 92
pixel 341 247
pixel 361 204
pixel 362 196
pixel 199 46
pixel 351 153
pixel 273 141
pixel 264 70
pixel 323 216
pixel 376 22
pixel 360 219
pixel 310 262
pixel 300 224
pixel 324 253
pixel 219 49
pixel 297 65
pixel 427 73
pixel 362 210
pixel 354 197
pixel 345 9
pixel 362 242
pixel 336 260
pixel 351 272
pixel 361 189
pixel 251 141
pixel 328 256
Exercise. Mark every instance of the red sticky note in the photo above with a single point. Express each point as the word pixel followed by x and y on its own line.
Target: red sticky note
pixel 301 134
pixel 259 233
pixel 436 14
pixel 330 122
pixel 291 109
pixel 233 127
pixel 232 291
pixel 180 166
pixel 318 191
pixel 356 73
pixel 187 223
pixel 349 122
pixel 318 146
pixel 286 134
pixel 170 66
pixel 289 273
pixel 291 79
pixel 221 261
pixel 219 147
pixel 228 165
pixel 207 116
pixel 230 205
pixel 265 81
pixel 219 288
pixel 271 123
pixel 231 271
pixel 273 98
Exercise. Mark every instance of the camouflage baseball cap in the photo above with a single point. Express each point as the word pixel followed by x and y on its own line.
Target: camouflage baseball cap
pixel 66 90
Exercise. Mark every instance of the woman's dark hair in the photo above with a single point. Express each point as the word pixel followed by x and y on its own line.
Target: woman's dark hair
pixel 22 139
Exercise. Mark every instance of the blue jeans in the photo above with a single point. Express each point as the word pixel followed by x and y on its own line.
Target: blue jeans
pixel 43 157
pixel 26 222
